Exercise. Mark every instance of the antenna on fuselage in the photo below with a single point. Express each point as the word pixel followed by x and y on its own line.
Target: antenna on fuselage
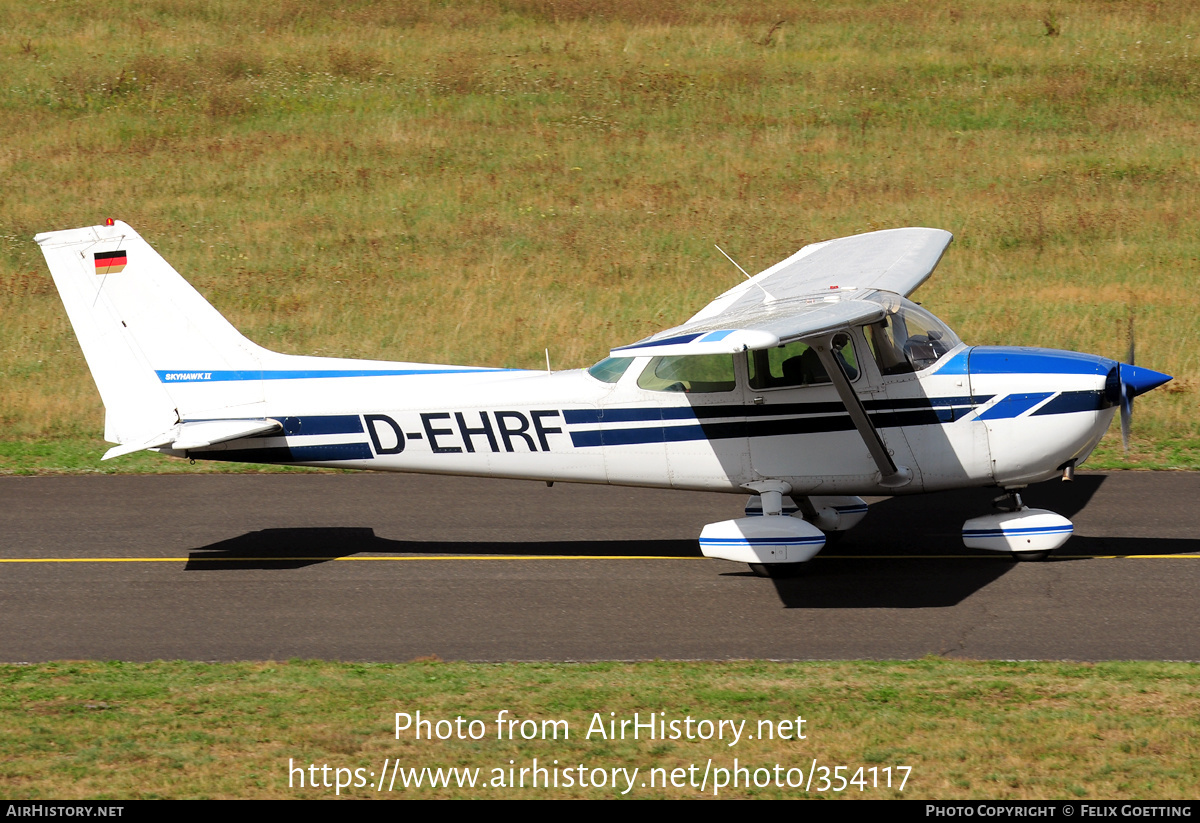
pixel 743 271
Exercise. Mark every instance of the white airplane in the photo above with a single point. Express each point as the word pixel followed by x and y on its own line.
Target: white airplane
pixel 807 386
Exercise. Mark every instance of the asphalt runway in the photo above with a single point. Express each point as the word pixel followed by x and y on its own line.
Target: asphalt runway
pixel 396 567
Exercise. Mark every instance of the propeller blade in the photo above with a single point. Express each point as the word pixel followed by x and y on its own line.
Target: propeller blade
pixel 1130 359
pixel 1126 415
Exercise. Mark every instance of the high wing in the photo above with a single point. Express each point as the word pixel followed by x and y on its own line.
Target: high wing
pixel 810 296
pixel 817 290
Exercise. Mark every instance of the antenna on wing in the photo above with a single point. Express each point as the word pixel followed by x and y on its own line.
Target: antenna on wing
pixel 743 271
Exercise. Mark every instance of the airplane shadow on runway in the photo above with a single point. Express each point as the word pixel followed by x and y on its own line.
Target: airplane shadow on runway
pixel 931 524
pixel 908 553
pixel 857 576
pixel 296 548
pixel 894 559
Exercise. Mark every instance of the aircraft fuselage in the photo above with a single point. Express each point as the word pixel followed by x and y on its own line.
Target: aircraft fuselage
pixel 978 416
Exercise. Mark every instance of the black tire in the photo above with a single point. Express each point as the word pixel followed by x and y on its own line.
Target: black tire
pixel 1031 557
pixel 777 571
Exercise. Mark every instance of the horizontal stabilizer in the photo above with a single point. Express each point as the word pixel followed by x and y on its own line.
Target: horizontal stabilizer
pixel 156 442
pixel 198 434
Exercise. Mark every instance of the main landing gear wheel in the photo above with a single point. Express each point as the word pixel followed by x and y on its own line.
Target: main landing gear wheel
pixel 777 571
pixel 1030 557
pixel 833 538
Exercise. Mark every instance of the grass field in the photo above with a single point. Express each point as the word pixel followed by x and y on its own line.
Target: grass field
pixel 966 729
pixel 475 182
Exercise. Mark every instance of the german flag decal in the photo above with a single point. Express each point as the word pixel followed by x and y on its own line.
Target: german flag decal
pixel 110 262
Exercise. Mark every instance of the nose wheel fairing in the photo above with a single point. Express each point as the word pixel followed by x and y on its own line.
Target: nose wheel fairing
pixel 1029 534
pixel 1028 530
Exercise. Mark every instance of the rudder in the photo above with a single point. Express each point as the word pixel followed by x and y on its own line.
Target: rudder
pixel 136 320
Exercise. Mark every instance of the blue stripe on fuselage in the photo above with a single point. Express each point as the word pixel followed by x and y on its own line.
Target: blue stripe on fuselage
pixel 306 425
pixel 169 376
pixel 1013 405
pixel 727 422
pixel 1076 401
pixel 327 424
pixel 731 421
pixel 947 409
pixel 302 426
pixel 583 416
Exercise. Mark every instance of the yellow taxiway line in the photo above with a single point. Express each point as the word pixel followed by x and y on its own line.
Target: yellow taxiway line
pixel 997 556
pixel 313 557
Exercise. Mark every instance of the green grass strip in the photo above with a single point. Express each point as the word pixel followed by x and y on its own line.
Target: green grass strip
pixel 252 730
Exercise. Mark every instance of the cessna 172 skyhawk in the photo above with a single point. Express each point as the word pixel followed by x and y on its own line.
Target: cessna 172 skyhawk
pixel 810 384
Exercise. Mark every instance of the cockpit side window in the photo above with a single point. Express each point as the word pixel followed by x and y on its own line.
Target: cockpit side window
pixel 690 373
pixel 889 355
pixel 798 364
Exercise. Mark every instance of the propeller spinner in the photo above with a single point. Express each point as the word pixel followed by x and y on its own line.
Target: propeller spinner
pixel 1125 382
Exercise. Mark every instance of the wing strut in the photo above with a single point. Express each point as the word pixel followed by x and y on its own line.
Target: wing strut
pixel 891 476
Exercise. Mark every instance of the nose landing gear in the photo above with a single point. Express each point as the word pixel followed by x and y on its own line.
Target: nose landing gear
pixel 1027 534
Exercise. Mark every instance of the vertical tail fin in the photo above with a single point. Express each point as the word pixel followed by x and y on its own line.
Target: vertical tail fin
pixel 140 323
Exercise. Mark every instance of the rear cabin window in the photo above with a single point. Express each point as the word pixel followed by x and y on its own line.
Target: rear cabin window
pixel 690 373
pixel 610 369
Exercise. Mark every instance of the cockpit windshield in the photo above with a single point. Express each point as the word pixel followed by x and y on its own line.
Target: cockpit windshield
pixel 909 338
